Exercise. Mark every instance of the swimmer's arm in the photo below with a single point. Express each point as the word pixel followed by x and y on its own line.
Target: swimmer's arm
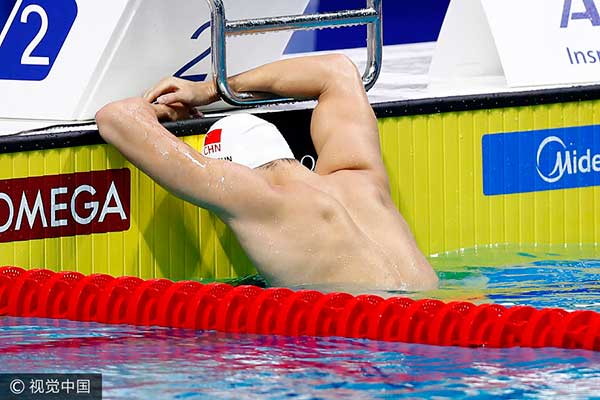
pixel 344 128
pixel 227 189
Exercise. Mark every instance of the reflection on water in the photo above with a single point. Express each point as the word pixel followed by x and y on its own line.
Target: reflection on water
pixel 166 363
pixel 537 276
pixel 145 362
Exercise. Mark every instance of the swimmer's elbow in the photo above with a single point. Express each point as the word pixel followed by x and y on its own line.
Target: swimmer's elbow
pixel 107 121
pixel 118 118
pixel 342 68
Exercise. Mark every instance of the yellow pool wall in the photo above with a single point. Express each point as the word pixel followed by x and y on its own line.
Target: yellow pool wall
pixel 435 167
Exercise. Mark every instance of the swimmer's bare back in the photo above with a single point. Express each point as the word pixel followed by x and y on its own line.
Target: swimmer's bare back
pixel 336 226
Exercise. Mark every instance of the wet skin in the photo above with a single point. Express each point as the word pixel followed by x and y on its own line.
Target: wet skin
pixel 335 226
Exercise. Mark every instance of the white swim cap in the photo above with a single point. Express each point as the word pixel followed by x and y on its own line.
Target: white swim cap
pixel 245 139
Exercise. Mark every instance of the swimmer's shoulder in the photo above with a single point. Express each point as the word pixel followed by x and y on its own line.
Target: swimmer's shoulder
pixel 316 198
pixel 360 186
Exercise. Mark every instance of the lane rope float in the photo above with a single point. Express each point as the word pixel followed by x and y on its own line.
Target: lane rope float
pixel 279 311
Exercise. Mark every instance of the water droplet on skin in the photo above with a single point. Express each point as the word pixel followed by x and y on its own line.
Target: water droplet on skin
pixel 194 161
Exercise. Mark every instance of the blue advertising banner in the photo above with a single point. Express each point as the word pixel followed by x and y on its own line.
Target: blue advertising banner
pixel 533 161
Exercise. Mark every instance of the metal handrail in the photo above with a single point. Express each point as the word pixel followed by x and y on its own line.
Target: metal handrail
pixel 221 28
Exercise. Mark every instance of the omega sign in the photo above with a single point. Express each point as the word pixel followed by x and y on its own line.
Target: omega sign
pixel 64 205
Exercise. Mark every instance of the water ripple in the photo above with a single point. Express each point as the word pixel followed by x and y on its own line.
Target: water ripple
pixel 147 362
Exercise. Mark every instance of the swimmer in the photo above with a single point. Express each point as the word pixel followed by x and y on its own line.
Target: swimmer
pixel 336 226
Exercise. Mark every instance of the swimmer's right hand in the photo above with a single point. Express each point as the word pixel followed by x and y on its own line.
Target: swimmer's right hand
pixel 174 112
pixel 175 90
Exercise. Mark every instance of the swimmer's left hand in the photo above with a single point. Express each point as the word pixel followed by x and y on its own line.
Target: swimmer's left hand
pixel 173 90
pixel 175 112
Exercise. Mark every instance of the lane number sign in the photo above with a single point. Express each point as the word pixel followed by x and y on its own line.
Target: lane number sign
pixel 32 33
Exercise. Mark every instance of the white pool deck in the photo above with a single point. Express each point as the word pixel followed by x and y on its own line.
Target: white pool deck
pixel 404 77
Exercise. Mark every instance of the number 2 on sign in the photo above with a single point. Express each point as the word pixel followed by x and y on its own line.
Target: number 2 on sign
pixel 26 57
pixel 195 61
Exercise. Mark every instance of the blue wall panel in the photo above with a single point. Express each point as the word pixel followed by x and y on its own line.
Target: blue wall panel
pixel 404 22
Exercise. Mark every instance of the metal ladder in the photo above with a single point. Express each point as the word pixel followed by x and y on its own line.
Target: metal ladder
pixel 221 29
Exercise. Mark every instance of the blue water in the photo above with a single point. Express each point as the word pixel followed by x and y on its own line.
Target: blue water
pixel 142 363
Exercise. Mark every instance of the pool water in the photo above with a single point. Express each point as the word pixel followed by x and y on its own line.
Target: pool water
pixel 141 363
pixel 540 277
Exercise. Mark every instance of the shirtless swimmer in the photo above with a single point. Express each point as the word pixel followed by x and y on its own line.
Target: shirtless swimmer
pixel 336 226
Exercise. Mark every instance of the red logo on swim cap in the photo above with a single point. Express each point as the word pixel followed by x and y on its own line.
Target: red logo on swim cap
pixel 213 137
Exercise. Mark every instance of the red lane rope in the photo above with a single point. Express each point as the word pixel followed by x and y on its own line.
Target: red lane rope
pixel 249 309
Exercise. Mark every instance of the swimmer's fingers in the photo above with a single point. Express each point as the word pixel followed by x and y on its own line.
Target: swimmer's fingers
pixel 164 86
pixel 175 90
pixel 164 113
pixel 171 90
pixel 180 95
pixel 171 98
pixel 174 112
pixel 195 113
